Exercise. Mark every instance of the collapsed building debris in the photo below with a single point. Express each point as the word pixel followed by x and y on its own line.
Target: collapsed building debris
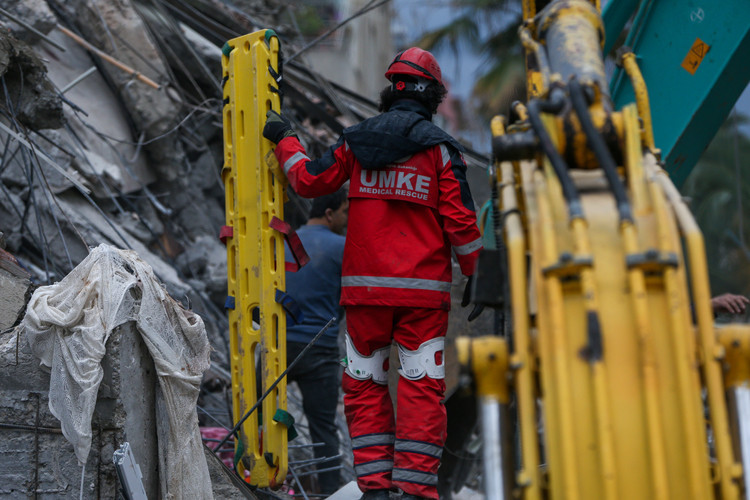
pixel 15 286
pixel 67 326
pixel 92 155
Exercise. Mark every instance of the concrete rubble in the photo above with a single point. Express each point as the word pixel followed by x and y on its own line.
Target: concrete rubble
pixel 15 285
pixel 93 155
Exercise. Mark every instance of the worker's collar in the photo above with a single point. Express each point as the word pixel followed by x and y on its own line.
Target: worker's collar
pixel 413 106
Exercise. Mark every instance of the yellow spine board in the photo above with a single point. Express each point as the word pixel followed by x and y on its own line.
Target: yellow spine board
pixel 627 425
pixel 255 255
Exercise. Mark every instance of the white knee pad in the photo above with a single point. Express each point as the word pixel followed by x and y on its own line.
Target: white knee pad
pixel 416 364
pixel 364 367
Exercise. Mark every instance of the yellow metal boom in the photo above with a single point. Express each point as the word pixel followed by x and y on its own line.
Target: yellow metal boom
pixel 615 368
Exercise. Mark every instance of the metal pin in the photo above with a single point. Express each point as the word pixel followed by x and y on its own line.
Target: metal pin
pixel 299 483
pixel 78 79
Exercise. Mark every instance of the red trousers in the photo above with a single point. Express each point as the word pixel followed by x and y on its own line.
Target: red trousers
pixel 403 451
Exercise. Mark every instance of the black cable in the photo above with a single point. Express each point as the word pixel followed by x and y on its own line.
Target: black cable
pixel 501 316
pixel 554 105
pixel 601 151
pixel 365 9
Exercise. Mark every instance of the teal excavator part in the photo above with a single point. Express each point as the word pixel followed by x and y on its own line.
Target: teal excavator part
pixel 694 58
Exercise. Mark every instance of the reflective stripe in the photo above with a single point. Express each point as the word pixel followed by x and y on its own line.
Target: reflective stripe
pixel 372 440
pixel 346 146
pixel 414 476
pixel 410 283
pixel 373 467
pixel 445 153
pixel 404 445
pixel 469 247
pixel 294 159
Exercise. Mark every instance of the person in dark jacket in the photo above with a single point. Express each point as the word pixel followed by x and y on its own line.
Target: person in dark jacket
pixel 410 207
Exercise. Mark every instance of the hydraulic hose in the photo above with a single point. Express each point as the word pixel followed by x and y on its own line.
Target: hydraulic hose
pixel 503 316
pixel 601 151
pixel 554 105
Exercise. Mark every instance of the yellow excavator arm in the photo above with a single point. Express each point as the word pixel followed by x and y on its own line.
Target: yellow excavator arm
pixel 610 370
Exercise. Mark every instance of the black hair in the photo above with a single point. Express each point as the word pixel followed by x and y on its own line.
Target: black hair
pixel 323 203
pixel 430 98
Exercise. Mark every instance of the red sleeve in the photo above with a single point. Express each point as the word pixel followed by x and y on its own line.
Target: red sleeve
pixel 456 206
pixel 313 178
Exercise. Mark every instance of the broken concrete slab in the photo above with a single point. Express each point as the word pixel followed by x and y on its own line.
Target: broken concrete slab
pixel 23 165
pixel 11 222
pixel 82 220
pixel 153 112
pixel 100 141
pixel 15 284
pixel 34 13
pixel 225 483
pixel 35 101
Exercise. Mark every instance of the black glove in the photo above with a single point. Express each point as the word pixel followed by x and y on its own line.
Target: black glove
pixel 466 300
pixel 277 127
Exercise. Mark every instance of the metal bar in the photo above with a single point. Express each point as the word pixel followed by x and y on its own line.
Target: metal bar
pixel 22 427
pixel 32 29
pixel 299 483
pixel 276 382
pixel 740 396
pixel 108 58
pixel 529 476
pixel 711 366
pixel 313 461
pixel 311 445
pixel 78 79
pixel 43 156
pixel 316 471
pixel 494 486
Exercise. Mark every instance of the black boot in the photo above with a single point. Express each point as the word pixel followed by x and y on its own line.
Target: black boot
pixel 376 495
pixel 409 496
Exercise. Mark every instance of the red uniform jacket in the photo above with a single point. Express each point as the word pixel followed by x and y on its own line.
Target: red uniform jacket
pixel 404 217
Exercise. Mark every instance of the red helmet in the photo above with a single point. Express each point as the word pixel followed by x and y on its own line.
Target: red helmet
pixel 415 62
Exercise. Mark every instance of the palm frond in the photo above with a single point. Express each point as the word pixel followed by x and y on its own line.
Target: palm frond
pixel 463 29
pixel 502 84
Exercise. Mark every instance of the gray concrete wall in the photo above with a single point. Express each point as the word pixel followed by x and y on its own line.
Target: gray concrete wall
pixel 14 289
pixel 36 461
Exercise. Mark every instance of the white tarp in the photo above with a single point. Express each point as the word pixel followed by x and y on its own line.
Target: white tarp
pixel 67 326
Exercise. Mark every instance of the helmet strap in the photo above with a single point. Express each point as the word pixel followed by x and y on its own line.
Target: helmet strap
pixel 419 86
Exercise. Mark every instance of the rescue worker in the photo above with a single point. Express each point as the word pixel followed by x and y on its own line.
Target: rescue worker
pixel 409 206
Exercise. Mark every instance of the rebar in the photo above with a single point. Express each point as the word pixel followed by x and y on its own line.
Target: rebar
pixel 299 483
pixel 276 382
pixel 78 79
pixel 32 29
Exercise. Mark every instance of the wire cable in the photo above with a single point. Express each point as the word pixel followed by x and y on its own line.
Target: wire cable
pixel 365 9
pixel 276 382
